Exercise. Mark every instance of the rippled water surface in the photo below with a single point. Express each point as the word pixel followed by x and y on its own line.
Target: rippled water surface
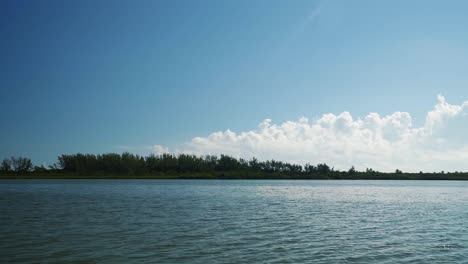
pixel 182 221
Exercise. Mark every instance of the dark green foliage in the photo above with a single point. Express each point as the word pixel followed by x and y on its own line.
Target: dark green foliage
pixel 186 166
pixel 17 164
pixel 40 169
pixel 5 167
pixel 227 163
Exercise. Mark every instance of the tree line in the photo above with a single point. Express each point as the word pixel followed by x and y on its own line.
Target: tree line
pixel 129 165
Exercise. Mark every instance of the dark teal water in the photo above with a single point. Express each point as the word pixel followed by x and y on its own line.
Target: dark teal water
pixel 155 221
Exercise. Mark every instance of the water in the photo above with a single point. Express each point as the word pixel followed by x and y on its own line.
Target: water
pixel 182 221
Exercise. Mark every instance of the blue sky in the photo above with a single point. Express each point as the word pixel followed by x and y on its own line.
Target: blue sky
pixel 109 76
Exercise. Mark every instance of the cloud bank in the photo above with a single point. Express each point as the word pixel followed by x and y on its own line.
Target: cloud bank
pixel 380 142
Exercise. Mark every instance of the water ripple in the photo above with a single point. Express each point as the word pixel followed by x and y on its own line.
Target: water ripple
pixel 145 221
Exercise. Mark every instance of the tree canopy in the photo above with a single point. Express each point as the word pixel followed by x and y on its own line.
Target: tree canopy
pixel 127 165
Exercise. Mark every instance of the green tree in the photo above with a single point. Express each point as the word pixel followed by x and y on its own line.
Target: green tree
pixel 21 164
pixel 5 167
pixel 323 169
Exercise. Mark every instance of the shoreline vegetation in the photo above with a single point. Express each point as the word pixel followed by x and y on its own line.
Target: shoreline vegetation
pixel 185 166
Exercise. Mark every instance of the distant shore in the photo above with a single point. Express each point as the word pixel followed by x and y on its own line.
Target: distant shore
pixel 243 176
pixel 186 166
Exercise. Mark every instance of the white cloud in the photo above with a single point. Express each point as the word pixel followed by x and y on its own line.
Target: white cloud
pixel 158 149
pixel 380 142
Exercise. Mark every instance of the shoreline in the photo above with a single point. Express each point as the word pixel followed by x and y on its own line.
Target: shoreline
pixel 194 177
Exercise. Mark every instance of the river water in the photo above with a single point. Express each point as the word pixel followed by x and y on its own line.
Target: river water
pixel 271 221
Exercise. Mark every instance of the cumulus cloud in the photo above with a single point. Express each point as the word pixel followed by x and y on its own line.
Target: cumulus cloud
pixel 380 142
pixel 158 149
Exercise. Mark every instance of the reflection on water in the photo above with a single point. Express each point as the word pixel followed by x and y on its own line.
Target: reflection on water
pixel 164 221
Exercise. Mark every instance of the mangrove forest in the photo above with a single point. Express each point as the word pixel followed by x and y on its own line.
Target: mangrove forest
pixel 185 166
